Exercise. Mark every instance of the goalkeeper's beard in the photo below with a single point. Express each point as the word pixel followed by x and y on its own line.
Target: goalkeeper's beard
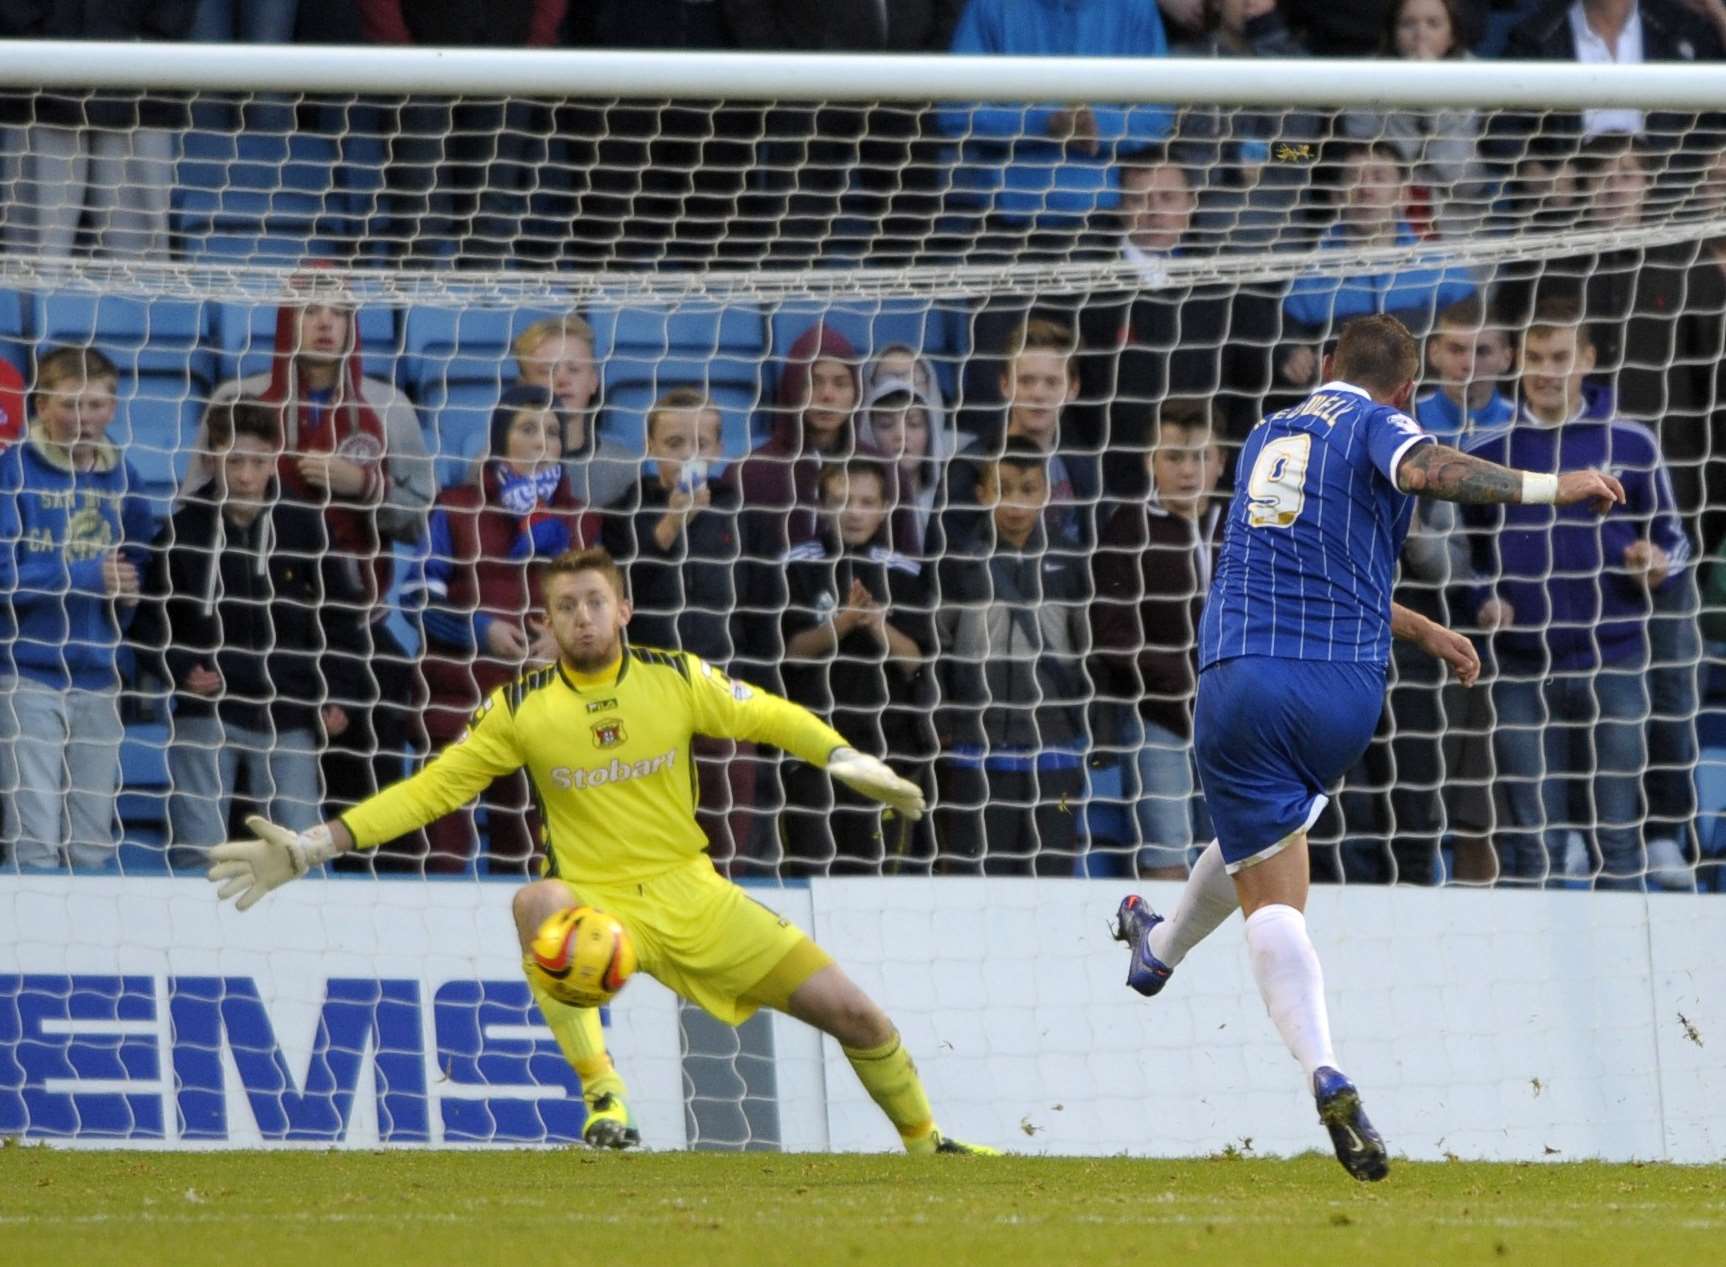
pixel 589 661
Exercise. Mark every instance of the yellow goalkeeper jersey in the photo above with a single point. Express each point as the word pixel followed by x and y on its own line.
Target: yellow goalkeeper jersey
pixel 609 758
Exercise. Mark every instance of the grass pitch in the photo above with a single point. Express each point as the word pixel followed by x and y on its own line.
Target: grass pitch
pixel 413 1209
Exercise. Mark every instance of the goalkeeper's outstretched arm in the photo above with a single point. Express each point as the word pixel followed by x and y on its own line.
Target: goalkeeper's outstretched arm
pixel 1437 470
pixel 734 710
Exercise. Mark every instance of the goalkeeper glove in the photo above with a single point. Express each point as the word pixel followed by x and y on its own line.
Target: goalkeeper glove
pixel 251 868
pixel 873 778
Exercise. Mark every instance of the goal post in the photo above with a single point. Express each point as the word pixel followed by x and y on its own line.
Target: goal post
pixel 652 237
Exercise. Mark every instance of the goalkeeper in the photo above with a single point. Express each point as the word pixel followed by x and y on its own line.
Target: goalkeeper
pixel 604 735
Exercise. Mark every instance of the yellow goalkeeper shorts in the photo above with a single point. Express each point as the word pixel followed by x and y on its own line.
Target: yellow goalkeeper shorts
pixel 710 942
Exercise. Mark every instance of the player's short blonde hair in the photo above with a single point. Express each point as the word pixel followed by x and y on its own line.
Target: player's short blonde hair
pixel 590 559
pixel 571 325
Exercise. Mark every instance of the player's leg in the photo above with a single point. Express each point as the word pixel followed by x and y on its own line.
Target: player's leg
pixel 833 1003
pixel 578 1031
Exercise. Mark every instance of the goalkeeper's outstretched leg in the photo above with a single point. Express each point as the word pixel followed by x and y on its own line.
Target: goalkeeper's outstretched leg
pixel 578 1031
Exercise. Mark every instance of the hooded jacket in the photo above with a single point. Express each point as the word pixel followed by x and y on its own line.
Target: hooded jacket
pixel 366 421
pixel 942 440
pixel 58 624
pixel 778 491
pixel 261 606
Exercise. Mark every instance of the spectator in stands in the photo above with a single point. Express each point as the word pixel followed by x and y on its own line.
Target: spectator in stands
pixel 101 160
pixel 1374 193
pixel 858 636
pixel 1159 340
pixel 1039 380
pixel 1466 360
pixel 901 360
pixel 1440 148
pixel 903 422
pixel 1258 163
pixel 1570 604
pixel 1014 635
pixel 239 620
pixel 558 353
pixel 352 447
pixel 1058 159
pixel 460 172
pixel 477 592
pixel 777 484
pixel 75 543
pixel 675 536
pixel 1153 571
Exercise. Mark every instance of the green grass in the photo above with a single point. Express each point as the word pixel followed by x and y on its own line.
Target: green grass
pixel 575 1209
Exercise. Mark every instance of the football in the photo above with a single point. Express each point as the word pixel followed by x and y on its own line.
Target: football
pixel 584 956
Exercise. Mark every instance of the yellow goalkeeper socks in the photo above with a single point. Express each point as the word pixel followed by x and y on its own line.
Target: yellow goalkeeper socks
pixel 582 1039
pixel 891 1080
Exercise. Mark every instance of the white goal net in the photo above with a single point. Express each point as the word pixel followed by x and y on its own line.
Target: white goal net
pixel 302 386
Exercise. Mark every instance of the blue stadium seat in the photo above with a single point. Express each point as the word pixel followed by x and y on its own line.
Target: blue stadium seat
pixel 159 338
pixel 460 416
pixel 157 427
pixel 259 192
pixel 734 331
pixel 463 345
pixel 872 325
pixel 245 337
pixel 143 784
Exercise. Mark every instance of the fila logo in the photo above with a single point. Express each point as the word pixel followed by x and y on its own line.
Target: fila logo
pixel 608 733
pixel 601 705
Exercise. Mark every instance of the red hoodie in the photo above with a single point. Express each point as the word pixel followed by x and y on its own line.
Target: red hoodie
pixel 780 480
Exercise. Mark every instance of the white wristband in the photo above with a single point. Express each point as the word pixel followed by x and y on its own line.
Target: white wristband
pixel 1539 490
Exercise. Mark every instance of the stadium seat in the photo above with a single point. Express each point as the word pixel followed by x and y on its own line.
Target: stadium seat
pixel 245 337
pixel 462 344
pixel 143 802
pixel 259 192
pixel 460 415
pixel 157 428
pixel 872 325
pixel 734 331
pixel 164 339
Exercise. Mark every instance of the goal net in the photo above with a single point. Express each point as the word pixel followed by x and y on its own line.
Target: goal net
pixel 307 385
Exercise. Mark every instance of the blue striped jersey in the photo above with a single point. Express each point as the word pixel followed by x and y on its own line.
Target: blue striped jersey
pixel 1310 546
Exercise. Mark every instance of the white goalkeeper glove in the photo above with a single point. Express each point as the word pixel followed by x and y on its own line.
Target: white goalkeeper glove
pixel 872 777
pixel 251 868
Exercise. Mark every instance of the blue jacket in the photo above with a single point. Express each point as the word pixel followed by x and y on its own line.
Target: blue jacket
pixel 1007 147
pixel 1437 413
pixel 1416 294
pixel 1562 571
pixel 59 626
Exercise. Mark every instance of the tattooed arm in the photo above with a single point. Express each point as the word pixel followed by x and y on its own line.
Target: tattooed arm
pixel 1437 470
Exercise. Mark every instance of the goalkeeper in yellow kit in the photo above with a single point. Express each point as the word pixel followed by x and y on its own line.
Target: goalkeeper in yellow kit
pixel 604 735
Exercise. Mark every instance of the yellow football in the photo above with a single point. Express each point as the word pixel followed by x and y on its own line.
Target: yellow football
pixel 583 956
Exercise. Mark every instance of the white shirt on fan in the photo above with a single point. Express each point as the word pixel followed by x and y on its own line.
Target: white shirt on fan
pixel 1592 50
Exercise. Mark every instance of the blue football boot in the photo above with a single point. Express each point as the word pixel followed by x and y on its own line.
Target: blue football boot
pixel 1133 920
pixel 1358 1146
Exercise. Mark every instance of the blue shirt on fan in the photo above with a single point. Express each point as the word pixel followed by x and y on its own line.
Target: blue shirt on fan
pixel 1311 542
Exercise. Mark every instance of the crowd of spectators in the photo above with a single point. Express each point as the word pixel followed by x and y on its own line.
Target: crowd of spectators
pixel 983 561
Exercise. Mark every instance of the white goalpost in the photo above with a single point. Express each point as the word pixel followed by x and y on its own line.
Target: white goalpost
pixel 641 236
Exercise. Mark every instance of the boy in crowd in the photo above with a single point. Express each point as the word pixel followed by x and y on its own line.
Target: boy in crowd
pixel 239 613
pixel 1039 380
pixel 558 354
pixel 1013 634
pixel 1153 571
pixel 1570 601
pixel 675 537
pixel 1467 360
pixel 74 541
pixel 858 635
